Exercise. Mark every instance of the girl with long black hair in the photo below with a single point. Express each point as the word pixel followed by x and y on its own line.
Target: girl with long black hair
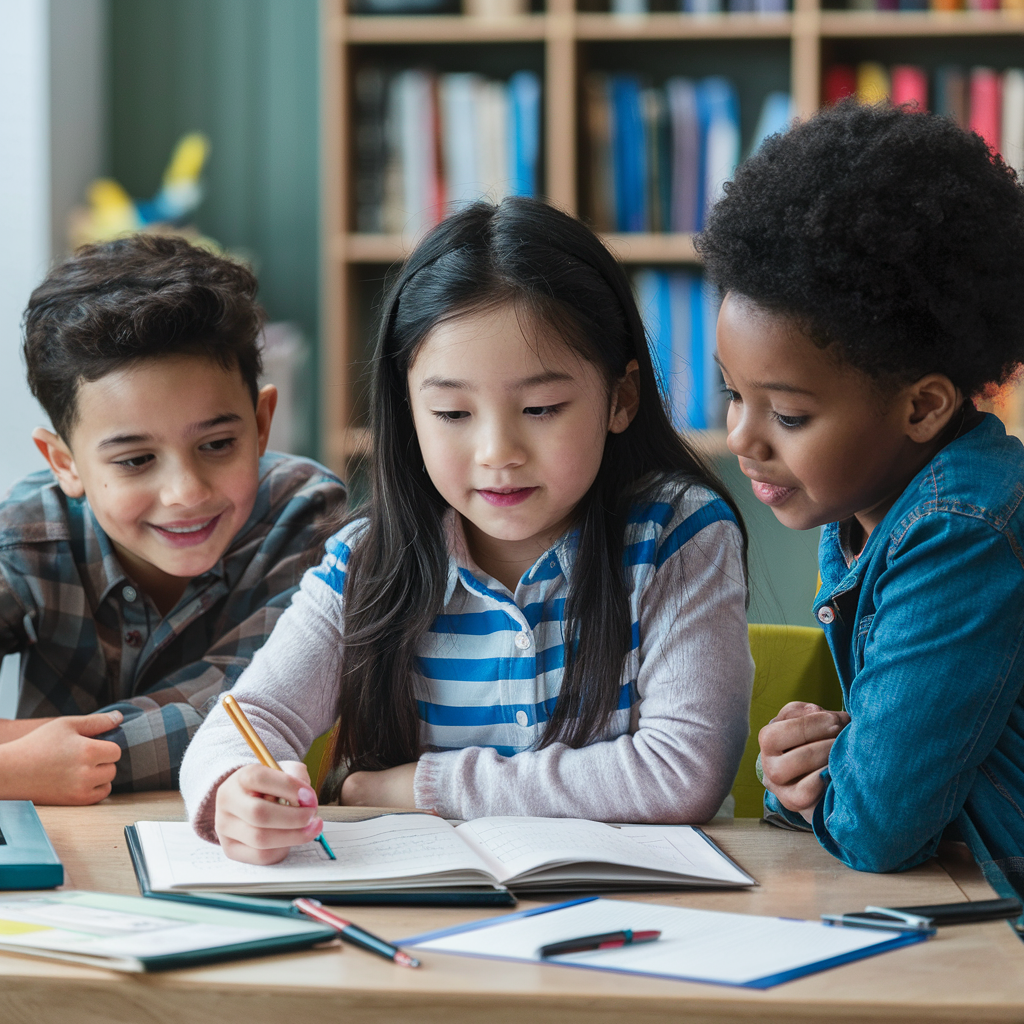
pixel 541 609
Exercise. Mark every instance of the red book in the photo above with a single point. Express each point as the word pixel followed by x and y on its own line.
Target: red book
pixel 985 106
pixel 840 82
pixel 909 85
pixel 983 5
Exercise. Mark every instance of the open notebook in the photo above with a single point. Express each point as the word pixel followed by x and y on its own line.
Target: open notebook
pixel 410 852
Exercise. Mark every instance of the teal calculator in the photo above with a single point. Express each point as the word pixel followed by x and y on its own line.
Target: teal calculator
pixel 27 857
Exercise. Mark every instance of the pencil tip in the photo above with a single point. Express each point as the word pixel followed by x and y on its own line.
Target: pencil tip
pixel 405 960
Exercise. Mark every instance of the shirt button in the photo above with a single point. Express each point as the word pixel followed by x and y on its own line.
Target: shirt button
pixel 133 638
pixel 826 614
pixel 129 594
pixel 523 641
pixel 522 718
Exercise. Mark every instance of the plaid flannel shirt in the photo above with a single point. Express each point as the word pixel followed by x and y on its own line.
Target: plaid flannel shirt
pixel 90 640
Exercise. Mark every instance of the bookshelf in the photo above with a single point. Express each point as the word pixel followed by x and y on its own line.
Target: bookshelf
pixel 564 43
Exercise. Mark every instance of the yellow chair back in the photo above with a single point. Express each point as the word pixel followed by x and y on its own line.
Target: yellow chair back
pixel 791 663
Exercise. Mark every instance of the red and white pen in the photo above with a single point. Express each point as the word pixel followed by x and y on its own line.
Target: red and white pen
pixel 607 940
pixel 353 933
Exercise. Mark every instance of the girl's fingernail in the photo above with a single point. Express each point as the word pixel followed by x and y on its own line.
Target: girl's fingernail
pixel 315 826
pixel 307 798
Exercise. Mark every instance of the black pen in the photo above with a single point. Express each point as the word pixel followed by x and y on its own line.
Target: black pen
pixel 353 933
pixel 607 940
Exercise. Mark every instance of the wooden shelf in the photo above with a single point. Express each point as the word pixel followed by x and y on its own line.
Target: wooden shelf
pixel 644 248
pixel 441 28
pixel 356 248
pixel 875 24
pixel 683 26
pixel 629 248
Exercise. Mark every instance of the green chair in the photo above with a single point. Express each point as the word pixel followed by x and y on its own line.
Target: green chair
pixel 791 663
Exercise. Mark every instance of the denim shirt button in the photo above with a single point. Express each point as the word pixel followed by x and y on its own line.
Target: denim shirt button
pixel 826 614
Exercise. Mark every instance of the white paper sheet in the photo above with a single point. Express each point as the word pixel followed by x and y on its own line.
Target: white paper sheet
pixel 695 945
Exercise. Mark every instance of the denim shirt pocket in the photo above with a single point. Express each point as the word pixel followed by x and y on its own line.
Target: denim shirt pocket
pixel 860 639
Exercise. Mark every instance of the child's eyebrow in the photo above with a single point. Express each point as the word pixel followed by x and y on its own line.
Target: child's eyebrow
pixel 777 385
pixel 451 383
pixel 196 428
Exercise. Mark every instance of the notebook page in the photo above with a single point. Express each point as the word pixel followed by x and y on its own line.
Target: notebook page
pixel 686 848
pixel 520 846
pixel 390 847
pixel 699 945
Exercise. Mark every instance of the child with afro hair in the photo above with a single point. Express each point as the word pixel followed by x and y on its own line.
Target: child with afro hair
pixel 872 267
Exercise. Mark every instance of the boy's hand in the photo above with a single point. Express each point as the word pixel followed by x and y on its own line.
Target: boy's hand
pixel 392 787
pixel 60 762
pixel 794 749
pixel 250 823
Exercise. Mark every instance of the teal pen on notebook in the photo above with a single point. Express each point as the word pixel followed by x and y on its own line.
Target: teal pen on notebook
pixel 257 746
pixel 353 933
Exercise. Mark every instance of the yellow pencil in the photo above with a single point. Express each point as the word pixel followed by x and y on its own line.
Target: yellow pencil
pixel 259 748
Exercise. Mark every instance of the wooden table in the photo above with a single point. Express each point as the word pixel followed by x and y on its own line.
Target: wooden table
pixel 968 973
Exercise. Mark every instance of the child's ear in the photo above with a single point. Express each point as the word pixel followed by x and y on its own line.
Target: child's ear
pixel 266 403
pixel 61 461
pixel 625 399
pixel 933 401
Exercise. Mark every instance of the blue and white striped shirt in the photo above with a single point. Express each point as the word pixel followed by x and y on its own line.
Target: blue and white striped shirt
pixel 491 667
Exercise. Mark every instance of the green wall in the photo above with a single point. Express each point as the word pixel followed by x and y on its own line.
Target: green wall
pixel 246 73
pixel 783 562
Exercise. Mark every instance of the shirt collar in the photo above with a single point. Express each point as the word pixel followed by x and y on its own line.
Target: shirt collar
pixel 563 551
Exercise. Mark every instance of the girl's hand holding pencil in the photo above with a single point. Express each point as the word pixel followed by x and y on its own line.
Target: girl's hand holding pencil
pixel 262 812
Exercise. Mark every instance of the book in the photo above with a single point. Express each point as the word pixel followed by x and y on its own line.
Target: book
pixel 719 110
pixel 872 82
pixel 840 82
pixel 951 96
pixel 463 181
pixel 421 852
pixel 1013 119
pixel 985 104
pixel 371 148
pixel 523 132
pixel 743 950
pixel 909 86
pixel 629 154
pixel 686 152
pixel 776 116
pixel 598 114
pixel 132 933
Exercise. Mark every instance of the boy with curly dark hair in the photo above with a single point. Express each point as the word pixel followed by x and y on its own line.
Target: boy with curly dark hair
pixel 872 265
pixel 143 569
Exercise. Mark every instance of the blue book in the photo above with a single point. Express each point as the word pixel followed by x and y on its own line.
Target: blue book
pixel 523 132
pixel 698 419
pixel 629 154
pixel 685 397
pixel 652 292
pixel 714 396
pixel 719 111
pixel 776 116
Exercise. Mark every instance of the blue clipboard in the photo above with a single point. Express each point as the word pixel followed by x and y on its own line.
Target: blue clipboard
pixel 882 945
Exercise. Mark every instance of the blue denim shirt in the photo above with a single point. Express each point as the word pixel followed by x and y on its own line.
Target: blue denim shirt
pixel 925 627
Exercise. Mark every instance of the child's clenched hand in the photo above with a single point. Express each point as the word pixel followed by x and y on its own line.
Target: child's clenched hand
pixel 61 761
pixel 795 746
